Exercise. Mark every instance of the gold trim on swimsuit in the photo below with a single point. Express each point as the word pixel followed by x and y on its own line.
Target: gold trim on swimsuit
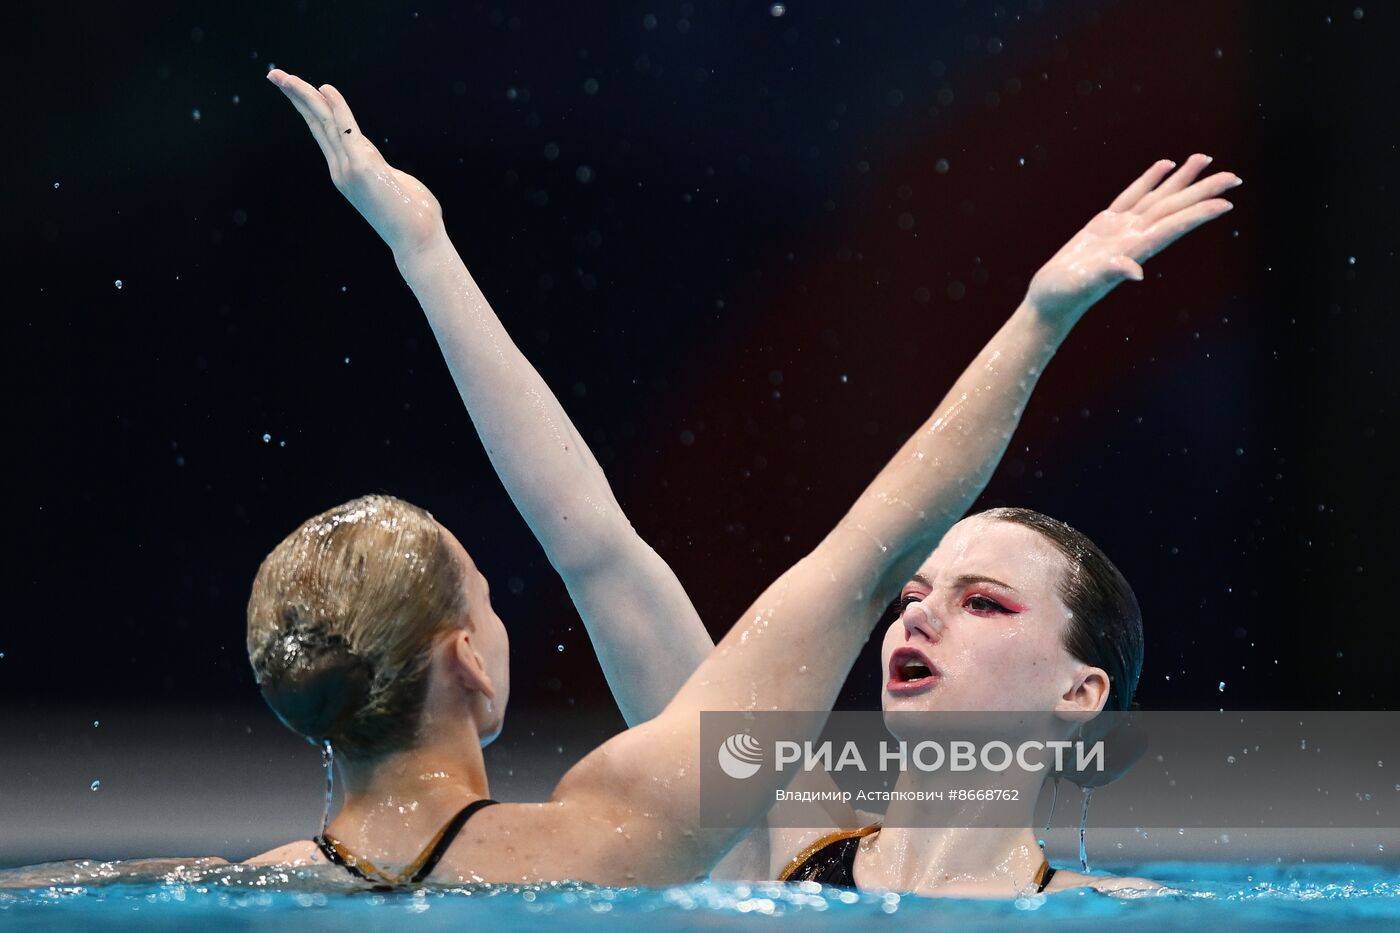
pixel 1042 878
pixel 415 871
pixel 841 834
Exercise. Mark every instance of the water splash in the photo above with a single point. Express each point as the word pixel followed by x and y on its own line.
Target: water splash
pixel 1083 822
pixel 328 758
pixel 1054 798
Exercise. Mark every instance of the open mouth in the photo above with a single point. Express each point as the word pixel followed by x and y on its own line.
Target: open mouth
pixel 911 671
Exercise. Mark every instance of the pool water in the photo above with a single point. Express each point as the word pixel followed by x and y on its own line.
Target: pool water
pixel 1211 894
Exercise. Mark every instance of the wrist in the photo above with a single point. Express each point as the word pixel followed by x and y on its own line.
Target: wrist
pixel 407 255
pixel 1056 322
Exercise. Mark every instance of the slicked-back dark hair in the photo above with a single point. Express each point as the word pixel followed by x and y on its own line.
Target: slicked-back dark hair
pixel 1105 627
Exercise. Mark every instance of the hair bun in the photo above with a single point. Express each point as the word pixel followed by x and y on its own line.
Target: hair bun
pixel 315 683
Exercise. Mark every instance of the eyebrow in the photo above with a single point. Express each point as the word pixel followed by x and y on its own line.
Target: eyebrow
pixel 966 579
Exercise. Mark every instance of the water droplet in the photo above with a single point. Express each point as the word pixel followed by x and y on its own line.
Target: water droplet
pixel 1221 687
pixel 1230 759
pixel 584 174
pixel 343 289
pixel 649 21
pixel 119 283
pixel 1351 260
pixel 941 166
pixel 778 9
pixel 95 785
pixel 195 113
pixel 96 723
pixel 347 361
pixel 844 378
pixel 560 647
pixel 590 87
pixel 267 438
pixel 55 184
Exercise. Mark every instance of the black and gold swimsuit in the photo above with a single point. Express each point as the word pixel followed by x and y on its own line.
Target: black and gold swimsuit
pixel 417 870
pixel 832 860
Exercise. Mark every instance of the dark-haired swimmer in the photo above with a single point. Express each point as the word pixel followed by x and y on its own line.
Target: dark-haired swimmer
pixel 622 587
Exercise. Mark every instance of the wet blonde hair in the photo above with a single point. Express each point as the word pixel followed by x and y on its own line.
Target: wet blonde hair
pixel 342 618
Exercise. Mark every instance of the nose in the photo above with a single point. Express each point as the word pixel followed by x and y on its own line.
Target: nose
pixel 919 618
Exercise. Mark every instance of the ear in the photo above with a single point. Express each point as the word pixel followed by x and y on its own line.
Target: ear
pixel 1087 693
pixel 467 665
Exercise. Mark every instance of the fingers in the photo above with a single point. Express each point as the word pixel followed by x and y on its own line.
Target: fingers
pixel 1145 183
pixel 316 110
pixel 340 111
pixel 1169 229
pixel 1182 177
pixel 352 141
pixel 1126 266
pixel 1209 187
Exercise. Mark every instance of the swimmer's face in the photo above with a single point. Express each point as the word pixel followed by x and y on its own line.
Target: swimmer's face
pixel 489 639
pixel 991 635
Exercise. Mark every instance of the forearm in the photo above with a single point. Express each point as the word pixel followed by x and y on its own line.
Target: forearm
pixel 824 604
pixel 550 474
pixel 943 467
pixel 644 629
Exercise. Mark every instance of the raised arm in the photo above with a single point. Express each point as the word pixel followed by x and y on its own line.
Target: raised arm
pixel 647 634
pixel 793 647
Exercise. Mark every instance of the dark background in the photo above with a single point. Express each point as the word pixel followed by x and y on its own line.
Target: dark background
pixel 724 238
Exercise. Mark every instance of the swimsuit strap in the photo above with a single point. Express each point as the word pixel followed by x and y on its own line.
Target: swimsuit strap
pixel 331 849
pixel 801 859
pixel 436 849
pixel 337 853
pixel 1043 875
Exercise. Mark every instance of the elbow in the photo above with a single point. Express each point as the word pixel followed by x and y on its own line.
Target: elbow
pixel 594 543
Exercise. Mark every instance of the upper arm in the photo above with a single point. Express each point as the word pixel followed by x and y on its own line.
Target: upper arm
pixel 631 809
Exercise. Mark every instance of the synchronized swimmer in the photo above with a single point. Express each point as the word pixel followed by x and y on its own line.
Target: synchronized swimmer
pixel 369 627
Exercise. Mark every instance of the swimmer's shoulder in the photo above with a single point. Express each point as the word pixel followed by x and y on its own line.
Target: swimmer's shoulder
pixel 1066 880
pixel 301 852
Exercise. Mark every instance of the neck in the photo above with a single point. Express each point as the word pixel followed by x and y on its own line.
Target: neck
pixel 423 784
pixel 975 853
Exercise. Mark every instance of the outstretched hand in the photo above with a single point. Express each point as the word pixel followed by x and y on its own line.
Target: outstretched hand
pixel 1145 219
pixel 400 207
